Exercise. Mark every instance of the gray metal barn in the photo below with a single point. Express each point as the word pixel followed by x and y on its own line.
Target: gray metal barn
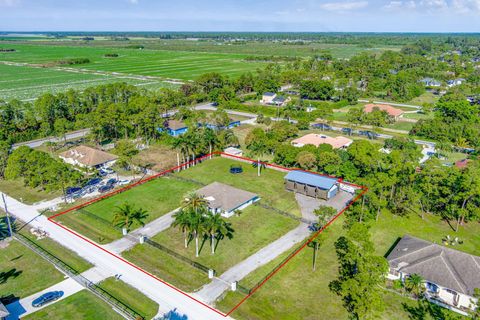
pixel 310 184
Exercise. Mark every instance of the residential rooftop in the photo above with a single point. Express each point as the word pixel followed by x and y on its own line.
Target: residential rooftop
pixel 443 266
pixel 318 139
pixel 88 156
pixel 225 197
pixel 394 112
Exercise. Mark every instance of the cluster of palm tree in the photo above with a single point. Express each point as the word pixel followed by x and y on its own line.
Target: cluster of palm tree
pixel 127 214
pixel 195 220
pixel 200 141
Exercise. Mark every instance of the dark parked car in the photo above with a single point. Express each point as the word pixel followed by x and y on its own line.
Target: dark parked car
pixel 105 188
pixel 72 190
pixel 348 131
pixel 111 181
pixel 46 298
pixel 322 126
pixel 314 227
pixel 93 182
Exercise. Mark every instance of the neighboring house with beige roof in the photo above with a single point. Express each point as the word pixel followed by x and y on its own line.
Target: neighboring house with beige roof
pixel 225 200
pixel 339 142
pixel 450 276
pixel 84 156
pixel 392 112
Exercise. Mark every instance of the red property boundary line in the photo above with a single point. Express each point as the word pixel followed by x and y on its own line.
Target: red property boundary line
pixel 208 156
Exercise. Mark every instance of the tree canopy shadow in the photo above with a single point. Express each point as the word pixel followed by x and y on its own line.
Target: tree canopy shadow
pixel 12 273
pixel 425 308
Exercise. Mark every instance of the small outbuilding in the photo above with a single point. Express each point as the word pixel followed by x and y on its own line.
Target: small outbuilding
pixel 225 200
pixel 311 184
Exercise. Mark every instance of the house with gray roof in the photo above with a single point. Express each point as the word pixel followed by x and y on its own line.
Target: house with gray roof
pixel 450 276
pixel 3 312
pixel 225 200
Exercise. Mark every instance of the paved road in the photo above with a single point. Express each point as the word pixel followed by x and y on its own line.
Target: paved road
pixel 38 142
pixel 167 297
pixel 68 286
pixel 149 230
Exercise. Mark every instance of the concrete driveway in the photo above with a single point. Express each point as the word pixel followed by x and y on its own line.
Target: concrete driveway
pixel 68 286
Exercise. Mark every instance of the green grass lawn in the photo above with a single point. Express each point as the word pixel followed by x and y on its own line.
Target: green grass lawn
pixel 68 257
pixel 426 97
pixel 390 227
pixel 158 197
pixel 255 228
pixel 269 186
pixel 16 189
pixel 130 297
pixel 399 125
pixel 418 116
pixel 23 272
pixel 296 292
pixel 80 306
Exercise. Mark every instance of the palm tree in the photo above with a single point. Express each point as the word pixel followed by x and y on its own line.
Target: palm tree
pixel 4 228
pixel 127 214
pixel 215 226
pixel 197 225
pixel 182 220
pixel 210 139
pixel 414 284
pixel 195 202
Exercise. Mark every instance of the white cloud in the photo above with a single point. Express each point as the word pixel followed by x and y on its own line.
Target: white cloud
pixel 8 3
pixel 466 6
pixel 434 6
pixel 133 1
pixel 344 6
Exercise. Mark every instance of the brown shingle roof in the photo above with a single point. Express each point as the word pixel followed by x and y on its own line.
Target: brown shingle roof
pixel 225 197
pixel 88 156
pixel 446 267
pixel 175 124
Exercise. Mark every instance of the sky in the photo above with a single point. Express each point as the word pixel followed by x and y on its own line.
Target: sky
pixel 241 15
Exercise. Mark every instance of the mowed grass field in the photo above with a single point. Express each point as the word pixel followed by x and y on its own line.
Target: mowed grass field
pixel 298 292
pixel 254 229
pixel 269 186
pixel 23 272
pixel 80 306
pixel 157 197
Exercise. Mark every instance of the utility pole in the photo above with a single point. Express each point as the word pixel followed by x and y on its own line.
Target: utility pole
pixel 8 215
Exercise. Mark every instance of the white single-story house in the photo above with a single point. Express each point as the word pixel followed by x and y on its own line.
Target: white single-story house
pixel 88 157
pixel 450 276
pixel 225 200
pixel 455 82
pixel 270 98
pixel 430 82
pixel 267 97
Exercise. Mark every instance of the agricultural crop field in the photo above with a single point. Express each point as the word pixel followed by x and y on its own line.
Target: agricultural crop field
pixel 33 69
pixel 26 82
pixel 266 48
